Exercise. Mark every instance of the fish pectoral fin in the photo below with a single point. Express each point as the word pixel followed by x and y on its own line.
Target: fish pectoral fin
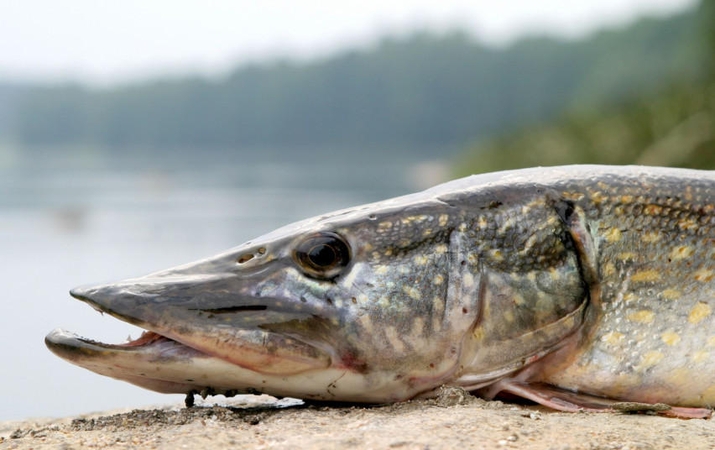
pixel 551 396
pixel 563 400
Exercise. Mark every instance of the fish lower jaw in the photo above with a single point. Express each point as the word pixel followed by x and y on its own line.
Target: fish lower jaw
pixel 163 365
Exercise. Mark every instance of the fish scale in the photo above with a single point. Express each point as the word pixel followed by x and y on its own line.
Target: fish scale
pixel 656 242
pixel 577 287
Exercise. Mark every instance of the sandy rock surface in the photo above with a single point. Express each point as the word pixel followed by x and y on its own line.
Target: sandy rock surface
pixel 454 421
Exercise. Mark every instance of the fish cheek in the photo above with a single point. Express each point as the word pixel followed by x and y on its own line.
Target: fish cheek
pixel 515 304
pixel 534 290
pixel 393 315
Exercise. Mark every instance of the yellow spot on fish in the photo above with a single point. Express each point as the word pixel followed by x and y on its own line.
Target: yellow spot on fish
pixel 688 224
pixel 703 275
pixel 421 260
pixel 427 232
pixel 612 338
pixel 551 221
pixel 650 359
pixel 642 316
pixel 626 199
pixel 443 218
pixel 508 316
pixel 497 255
pixel 384 226
pixel 645 276
pixel 670 338
pixel 629 297
pixel 367 247
pixel 609 269
pixel 533 240
pixel 418 328
pixel 574 196
pixel 366 323
pixel 412 292
pixel 651 236
pixel 681 252
pixel 482 222
pixel 468 280
pixel 440 249
pixel 508 224
pixel 711 341
pixel 381 270
pixel 626 256
pixel 394 340
pixel 479 333
pixel 554 274
pixel 437 280
pixel 597 197
pixel 671 294
pixel 701 356
pixel 436 324
pixel 613 235
pixel 699 313
pixel 388 252
pixel 653 210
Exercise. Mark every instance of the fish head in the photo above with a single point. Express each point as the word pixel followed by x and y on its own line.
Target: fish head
pixel 348 306
pixel 463 284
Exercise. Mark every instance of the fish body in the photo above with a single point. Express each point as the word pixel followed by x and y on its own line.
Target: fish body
pixel 577 287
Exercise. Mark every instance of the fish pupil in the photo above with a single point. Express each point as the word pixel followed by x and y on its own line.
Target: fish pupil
pixel 323 256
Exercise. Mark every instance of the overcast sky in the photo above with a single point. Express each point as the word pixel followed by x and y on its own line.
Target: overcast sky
pixel 107 41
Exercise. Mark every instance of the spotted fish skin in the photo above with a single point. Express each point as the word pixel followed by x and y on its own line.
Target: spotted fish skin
pixel 573 286
pixel 652 336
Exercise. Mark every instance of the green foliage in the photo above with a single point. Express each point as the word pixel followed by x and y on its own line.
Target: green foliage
pixel 420 91
pixel 706 26
pixel 673 128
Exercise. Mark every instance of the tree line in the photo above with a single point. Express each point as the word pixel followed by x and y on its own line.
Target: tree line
pixel 420 90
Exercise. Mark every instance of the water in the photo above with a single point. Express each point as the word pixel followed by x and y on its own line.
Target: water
pixel 89 217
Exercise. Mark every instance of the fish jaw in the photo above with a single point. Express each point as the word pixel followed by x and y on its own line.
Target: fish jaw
pixel 193 309
pixel 158 364
pixel 265 362
pixel 166 366
pixel 213 328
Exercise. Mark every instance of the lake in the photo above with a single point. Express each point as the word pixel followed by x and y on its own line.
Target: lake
pixel 85 216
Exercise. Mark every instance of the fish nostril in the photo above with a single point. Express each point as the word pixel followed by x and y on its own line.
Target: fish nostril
pixel 245 258
pixel 249 256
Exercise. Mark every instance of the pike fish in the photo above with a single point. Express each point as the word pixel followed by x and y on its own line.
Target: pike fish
pixel 576 287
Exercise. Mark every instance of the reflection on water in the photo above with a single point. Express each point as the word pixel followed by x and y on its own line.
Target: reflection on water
pixel 66 221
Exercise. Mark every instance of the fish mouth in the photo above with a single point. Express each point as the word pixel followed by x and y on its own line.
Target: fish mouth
pixel 152 361
pixel 188 350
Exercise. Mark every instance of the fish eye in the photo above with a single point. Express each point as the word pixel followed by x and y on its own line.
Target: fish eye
pixel 322 255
